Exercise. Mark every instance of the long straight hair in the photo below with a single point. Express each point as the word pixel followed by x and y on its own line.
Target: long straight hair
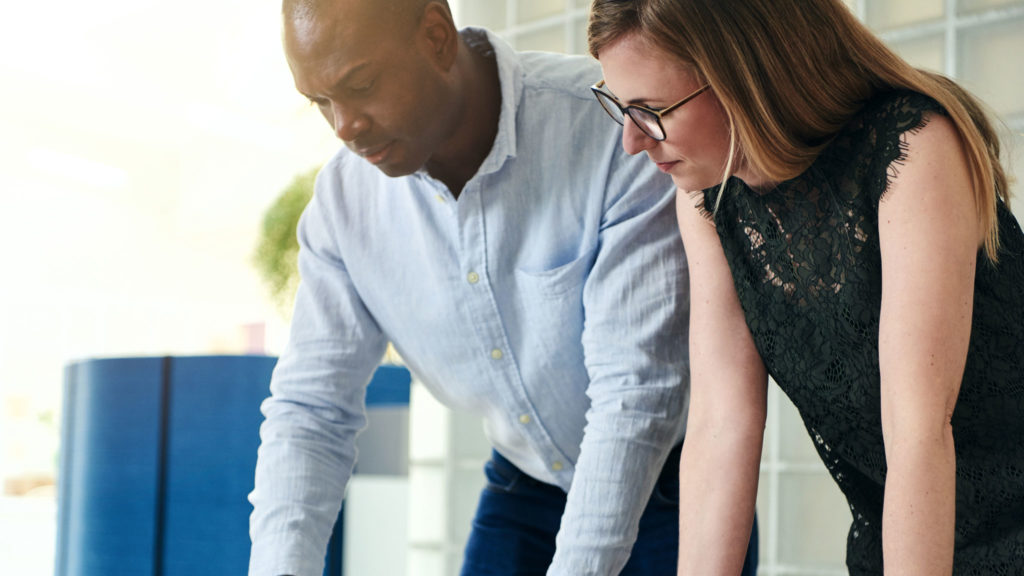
pixel 791 73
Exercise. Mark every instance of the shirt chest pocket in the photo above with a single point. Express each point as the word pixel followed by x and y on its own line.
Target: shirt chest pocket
pixel 562 281
pixel 550 312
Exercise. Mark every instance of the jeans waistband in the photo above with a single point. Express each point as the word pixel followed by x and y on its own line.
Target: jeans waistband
pixel 508 469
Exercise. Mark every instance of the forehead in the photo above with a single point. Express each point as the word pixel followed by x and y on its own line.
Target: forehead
pixel 632 64
pixel 341 35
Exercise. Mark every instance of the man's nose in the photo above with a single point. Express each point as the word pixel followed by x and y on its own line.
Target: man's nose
pixel 348 123
pixel 634 140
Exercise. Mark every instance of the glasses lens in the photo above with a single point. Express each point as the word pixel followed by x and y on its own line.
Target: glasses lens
pixel 647 122
pixel 609 106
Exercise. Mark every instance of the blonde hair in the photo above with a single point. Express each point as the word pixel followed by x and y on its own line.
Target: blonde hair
pixel 791 73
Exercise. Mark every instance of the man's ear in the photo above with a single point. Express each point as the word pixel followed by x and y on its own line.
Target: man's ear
pixel 438 30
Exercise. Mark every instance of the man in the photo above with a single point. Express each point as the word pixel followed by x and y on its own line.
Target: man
pixel 483 218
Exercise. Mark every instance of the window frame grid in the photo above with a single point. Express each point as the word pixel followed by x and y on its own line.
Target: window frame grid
pixel 950 27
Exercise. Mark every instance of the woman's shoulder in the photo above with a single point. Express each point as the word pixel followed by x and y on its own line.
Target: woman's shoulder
pixel 874 143
pixel 894 112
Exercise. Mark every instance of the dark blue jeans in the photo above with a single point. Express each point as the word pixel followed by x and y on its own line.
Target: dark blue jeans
pixel 517 519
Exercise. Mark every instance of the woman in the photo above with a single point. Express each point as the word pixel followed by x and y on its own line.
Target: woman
pixel 846 225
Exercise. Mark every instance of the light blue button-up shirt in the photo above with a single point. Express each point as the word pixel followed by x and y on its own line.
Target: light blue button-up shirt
pixel 550 298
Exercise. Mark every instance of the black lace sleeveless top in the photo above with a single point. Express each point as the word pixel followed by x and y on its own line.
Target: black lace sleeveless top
pixel 806 263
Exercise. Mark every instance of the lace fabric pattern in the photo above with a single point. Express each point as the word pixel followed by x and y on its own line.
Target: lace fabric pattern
pixel 806 263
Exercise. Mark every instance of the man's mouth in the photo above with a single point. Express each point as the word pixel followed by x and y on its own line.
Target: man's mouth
pixel 376 154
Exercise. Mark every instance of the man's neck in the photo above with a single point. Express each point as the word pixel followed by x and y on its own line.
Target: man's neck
pixel 478 126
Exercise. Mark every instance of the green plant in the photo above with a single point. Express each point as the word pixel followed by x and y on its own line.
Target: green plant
pixel 277 249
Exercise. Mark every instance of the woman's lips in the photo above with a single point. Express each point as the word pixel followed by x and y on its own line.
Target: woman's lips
pixel 666 166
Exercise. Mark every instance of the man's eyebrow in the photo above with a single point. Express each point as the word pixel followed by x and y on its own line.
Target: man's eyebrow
pixel 339 83
pixel 347 76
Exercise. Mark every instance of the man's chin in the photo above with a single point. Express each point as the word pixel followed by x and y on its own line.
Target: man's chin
pixel 400 163
pixel 396 170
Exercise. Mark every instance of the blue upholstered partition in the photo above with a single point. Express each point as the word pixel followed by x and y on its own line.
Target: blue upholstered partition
pixel 157 459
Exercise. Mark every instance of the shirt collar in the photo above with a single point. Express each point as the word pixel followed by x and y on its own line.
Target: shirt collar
pixel 510 75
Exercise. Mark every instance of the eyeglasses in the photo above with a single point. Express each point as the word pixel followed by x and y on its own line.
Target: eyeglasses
pixel 648 120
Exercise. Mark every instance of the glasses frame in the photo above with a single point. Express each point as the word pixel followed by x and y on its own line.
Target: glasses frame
pixel 624 109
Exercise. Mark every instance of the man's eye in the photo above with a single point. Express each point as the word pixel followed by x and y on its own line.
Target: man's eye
pixel 361 87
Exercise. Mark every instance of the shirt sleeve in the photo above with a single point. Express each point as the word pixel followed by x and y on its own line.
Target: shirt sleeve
pixel 636 304
pixel 316 408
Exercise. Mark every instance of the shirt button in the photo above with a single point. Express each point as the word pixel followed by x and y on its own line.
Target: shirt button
pixel 439 198
pixel 473 277
pixel 496 354
pixel 524 419
pixel 556 465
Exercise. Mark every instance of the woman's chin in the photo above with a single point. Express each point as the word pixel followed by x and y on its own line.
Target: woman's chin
pixel 690 184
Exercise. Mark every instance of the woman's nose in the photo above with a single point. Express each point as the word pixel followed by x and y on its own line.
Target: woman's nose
pixel 634 140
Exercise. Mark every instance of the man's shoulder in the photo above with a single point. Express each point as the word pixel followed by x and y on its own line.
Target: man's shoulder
pixel 345 177
pixel 345 168
pixel 570 74
pixel 340 159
